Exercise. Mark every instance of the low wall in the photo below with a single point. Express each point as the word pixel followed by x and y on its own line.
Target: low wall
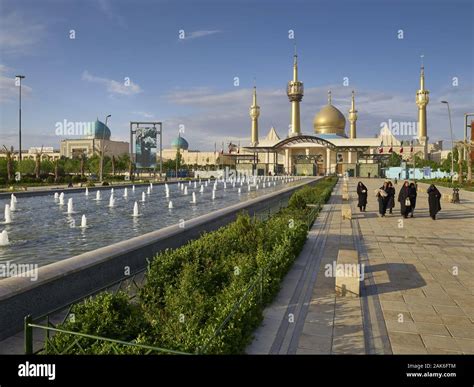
pixel 51 190
pixel 63 282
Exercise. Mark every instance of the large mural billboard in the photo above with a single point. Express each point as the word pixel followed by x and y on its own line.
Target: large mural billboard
pixel 145 147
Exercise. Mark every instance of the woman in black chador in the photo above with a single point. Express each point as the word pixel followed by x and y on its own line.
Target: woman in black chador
pixel 391 197
pixel 404 199
pixel 382 197
pixel 434 197
pixel 362 194
pixel 413 194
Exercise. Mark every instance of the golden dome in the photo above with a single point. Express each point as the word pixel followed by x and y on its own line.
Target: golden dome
pixel 329 120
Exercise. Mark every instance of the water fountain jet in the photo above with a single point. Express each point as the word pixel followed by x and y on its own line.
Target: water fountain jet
pixel 4 238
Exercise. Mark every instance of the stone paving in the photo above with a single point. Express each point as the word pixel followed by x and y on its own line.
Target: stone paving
pixel 416 297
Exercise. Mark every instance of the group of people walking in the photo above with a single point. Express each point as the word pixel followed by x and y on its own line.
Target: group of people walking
pixel 406 197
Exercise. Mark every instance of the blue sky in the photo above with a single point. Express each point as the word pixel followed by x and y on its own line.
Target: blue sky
pixel 190 82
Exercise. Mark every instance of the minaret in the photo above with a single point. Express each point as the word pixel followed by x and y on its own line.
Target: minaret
pixel 254 113
pixel 422 100
pixel 353 117
pixel 295 95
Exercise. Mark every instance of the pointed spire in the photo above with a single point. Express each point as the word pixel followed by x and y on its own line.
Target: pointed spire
pixel 295 68
pixel 254 100
pixel 422 74
pixel 353 101
pixel 329 98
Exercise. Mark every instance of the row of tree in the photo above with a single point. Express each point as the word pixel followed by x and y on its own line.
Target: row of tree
pixel 395 160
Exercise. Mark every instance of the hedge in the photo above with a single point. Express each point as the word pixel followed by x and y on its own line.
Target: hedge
pixel 189 291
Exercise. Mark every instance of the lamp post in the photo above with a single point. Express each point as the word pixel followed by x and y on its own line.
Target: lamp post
pixel 452 139
pixel 102 150
pixel 19 77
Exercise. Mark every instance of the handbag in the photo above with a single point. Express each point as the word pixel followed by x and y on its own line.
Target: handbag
pixel 407 202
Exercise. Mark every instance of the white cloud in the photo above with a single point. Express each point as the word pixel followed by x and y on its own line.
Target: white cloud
pixel 112 86
pixel 199 34
pixel 8 89
pixel 17 34
pixel 106 7
pixel 144 114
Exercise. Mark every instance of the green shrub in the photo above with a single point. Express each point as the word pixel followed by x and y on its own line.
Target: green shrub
pixel 106 315
pixel 189 291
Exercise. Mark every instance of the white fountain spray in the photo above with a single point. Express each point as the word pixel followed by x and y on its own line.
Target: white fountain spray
pixel 148 191
pixel 239 191
pixel 61 199
pixel 83 221
pixel 13 198
pixel 97 196
pixel 70 208
pixel 143 196
pixel 201 190
pixel 8 214
pixel 170 205
pixel 135 209
pixel 111 200
pixel 125 192
pixel 12 204
pixel 56 196
pixel 213 194
pixel 133 188
pixel 195 185
pixel 4 238
pixel 185 190
pixel 194 198
pixel 87 192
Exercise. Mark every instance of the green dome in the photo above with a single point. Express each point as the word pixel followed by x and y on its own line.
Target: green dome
pixel 180 143
pixel 100 131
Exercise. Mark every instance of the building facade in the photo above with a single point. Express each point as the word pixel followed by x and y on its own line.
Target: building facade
pixel 329 149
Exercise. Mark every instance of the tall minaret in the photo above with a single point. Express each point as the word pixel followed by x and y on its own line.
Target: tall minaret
pixel 422 100
pixel 353 117
pixel 254 113
pixel 295 95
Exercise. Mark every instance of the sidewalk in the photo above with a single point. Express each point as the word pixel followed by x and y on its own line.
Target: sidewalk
pixel 417 296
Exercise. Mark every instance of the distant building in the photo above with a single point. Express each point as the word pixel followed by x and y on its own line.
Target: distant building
pixel 189 157
pixel 92 144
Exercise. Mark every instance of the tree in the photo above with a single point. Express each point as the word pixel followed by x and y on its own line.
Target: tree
pixel 26 166
pixel 113 165
pixel 56 171
pixel 38 162
pixel 9 154
pixel 82 160
pixel 395 160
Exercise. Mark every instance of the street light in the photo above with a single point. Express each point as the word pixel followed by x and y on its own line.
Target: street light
pixel 452 140
pixel 102 149
pixel 19 77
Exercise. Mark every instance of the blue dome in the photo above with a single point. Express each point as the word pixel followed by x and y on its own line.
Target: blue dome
pixel 100 131
pixel 180 143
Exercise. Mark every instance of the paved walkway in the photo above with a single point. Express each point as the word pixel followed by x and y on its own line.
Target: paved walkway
pixel 417 295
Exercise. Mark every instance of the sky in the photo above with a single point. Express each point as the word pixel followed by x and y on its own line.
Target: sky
pixel 128 59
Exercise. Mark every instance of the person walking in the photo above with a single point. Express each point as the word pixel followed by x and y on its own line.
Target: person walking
pixel 382 197
pixel 434 200
pixel 404 199
pixel 391 197
pixel 412 194
pixel 362 194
